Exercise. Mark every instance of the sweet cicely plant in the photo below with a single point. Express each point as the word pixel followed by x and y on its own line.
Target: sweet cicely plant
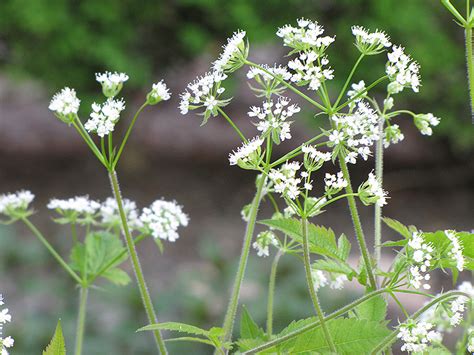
pixel 356 122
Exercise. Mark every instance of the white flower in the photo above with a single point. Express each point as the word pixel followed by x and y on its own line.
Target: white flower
pixel 277 71
pixel 392 135
pixel 319 279
pixel 372 192
pixel 356 89
pixel 402 71
pixel 468 288
pixel 273 118
pixel 78 204
pixel 370 43
pixel 425 122
pixel 111 83
pixel 65 105
pixel 421 256
pixel 159 92
pixel 308 35
pixel 5 317
pixel 285 180
pixel 456 251
pixel 110 216
pixel 313 158
pixel 163 218
pixel 338 282
pixel 334 183
pixel 234 54
pixel 104 117
pixel 200 90
pixel 15 203
pixel 457 308
pixel 247 154
pixel 309 69
pixel 263 241
pixel 417 336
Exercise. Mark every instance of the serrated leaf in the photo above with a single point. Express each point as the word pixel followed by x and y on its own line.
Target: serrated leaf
pixel 57 345
pixel 350 336
pixel 117 276
pixel 247 344
pixel 177 327
pixel 322 240
pixel 343 247
pixel 331 265
pixel 248 328
pixel 374 309
pixel 398 227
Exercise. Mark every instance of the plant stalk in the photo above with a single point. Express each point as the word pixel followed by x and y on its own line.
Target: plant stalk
pixel 378 207
pixel 312 291
pixel 146 299
pixel 234 300
pixel 81 319
pixel 271 293
pixel 470 66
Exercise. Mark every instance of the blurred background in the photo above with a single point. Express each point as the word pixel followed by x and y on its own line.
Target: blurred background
pixel 48 44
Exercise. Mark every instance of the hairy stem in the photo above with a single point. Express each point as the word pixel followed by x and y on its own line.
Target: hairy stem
pixel 234 299
pixel 271 292
pixel 357 224
pixel 146 299
pixel 470 66
pixel 378 207
pixel 53 252
pixel 316 324
pixel 391 338
pixel 81 319
pixel 309 281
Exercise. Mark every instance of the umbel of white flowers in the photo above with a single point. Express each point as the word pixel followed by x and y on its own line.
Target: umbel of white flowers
pixel 5 317
pixel 105 115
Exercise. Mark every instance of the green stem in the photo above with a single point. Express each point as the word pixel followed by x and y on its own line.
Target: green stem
pixel 316 324
pixel 378 207
pixel 83 133
pixel 271 293
pixel 375 83
pixel 312 291
pixel 453 11
pixel 53 252
pixel 400 305
pixel 349 78
pixel 127 134
pixel 295 152
pixel 289 86
pixel 234 126
pixel 391 338
pixel 470 66
pixel 234 300
pixel 357 224
pixel 146 299
pixel 81 319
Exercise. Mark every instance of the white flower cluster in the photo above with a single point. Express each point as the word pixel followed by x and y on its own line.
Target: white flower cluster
pixel 357 131
pixel 420 261
pixel 392 135
pixel 78 204
pixel 313 158
pixel 417 336
pixel 159 92
pixel 247 155
pixel 308 35
pixel 5 317
pixel 65 105
pixel 320 279
pixel 269 73
pixel 456 251
pixel 263 242
pixel 233 54
pixel 163 218
pixel 309 69
pixel 104 117
pixel 334 183
pixel 372 192
pixel 111 83
pixel 13 203
pixel 273 117
pixel 457 308
pixel 203 92
pixel 402 71
pixel 285 180
pixel 110 216
pixel 357 89
pixel 425 122
pixel 370 43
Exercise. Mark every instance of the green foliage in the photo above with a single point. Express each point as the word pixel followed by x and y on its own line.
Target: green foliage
pixel 374 309
pixel 248 328
pixel 100 250
pixel 57 345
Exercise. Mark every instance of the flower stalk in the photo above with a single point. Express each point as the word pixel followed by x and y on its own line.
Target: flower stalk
pixel 271 293
pixel 81 319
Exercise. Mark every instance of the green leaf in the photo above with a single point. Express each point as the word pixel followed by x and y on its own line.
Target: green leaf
pixel 374 309
pixel 248 328
pixel 57 345
pixel 343 247
pixel 192 339
pixel 322 240
pixel 338 267
pixel 177 327
pixel 117 276
pixel 247 344
pixel 398 227
pixel 350 336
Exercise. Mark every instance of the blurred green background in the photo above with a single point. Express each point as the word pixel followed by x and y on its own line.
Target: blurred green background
pixel 53 43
